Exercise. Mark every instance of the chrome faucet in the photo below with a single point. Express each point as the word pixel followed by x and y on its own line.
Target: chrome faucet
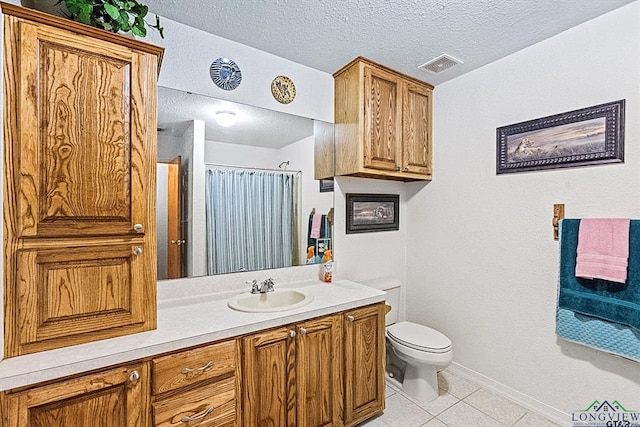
pixel 267 285
pixel 263 288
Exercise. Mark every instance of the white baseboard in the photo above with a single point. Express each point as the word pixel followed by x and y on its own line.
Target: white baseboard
pixel 528 402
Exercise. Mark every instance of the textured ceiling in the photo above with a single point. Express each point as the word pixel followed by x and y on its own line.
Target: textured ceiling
pixel 401 34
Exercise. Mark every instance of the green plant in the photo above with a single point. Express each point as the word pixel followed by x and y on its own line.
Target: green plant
pixel 112 15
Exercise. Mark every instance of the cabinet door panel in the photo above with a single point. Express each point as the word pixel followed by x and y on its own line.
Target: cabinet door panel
pixel 319 372
pixel 80 163
pixel 269 379
pixel 105 399
pixel 383 122
pixel 364 363
pixel 65 292
pixel 416 130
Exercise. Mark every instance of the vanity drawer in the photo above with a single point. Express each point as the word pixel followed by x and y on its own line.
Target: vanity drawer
pixel 192 366
pixel 213 405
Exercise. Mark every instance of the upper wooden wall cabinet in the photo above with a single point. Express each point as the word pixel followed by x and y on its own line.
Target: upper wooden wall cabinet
pixel 79 182
pixel 382 123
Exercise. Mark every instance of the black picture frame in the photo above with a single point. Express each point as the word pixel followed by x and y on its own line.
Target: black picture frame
pixel 372 212
pixel 326 185
pixel 588 136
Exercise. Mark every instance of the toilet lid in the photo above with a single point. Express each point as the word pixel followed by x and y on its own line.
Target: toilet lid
pixel 419 337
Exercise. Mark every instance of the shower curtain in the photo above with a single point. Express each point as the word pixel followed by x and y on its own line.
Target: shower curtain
pixel 251 219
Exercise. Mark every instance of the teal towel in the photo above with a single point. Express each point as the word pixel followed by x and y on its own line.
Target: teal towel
pixel 615 302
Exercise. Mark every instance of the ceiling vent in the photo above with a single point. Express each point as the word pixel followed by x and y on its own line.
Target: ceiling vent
pixel 439 64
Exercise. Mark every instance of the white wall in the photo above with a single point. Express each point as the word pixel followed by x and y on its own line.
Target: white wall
pixel 482 265
pixel 189 53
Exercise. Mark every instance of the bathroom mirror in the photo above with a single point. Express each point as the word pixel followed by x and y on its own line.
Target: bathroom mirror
pixel 197 149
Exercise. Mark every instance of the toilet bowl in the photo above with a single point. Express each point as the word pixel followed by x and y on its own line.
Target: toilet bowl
pixel 423 351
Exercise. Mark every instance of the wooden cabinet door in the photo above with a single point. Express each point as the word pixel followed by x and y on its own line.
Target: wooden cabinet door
pixel 116 397
pixel 364 353
pixel 86 167
pixel 319 372
pixel 382 120
pixel 66 292
pixel 416 129
pixel 269 394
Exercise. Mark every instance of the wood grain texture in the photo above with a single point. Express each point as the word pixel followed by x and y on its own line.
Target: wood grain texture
pixel 416 129
pixel 80 150
pixel 319 372
pixel 323 150
pixel 104 399
pixel 383 120
pixel 374 116
pixel 203 363
pixel 269 379
pixel 364 353
pixel 216 401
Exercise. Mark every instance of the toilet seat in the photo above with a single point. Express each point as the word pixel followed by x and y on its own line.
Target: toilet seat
pixel 419 337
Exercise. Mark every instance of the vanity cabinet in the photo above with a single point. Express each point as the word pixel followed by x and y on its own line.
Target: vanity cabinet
pixel 198 387
pixel 113 397
pixel 79 180
pixel 382 123
pixel 293 375
pixel 364 356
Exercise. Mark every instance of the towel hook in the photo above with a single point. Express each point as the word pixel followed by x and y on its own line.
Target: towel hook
pixel 558 214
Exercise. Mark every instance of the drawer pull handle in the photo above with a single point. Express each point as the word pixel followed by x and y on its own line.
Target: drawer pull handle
pixel 204 368
pixel 198 416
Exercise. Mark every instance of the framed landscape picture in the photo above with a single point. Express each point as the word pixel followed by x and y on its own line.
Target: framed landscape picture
pixel 587 136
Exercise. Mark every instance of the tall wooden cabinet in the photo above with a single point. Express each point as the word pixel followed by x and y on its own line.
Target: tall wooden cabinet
pixel 293 375
pixel 79 182
pixel 382 123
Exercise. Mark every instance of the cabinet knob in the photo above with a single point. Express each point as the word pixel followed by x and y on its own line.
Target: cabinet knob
pixel 137 227
pixel 292 333
pixel 406 168
pixel 303 331
pixel 137 251
pixel 398 167
pixel 134 376
pixel 350 318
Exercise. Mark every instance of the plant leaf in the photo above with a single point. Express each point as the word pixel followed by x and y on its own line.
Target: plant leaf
pixel 113 11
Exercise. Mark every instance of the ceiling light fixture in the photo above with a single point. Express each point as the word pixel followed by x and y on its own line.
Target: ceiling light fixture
pixel 225 118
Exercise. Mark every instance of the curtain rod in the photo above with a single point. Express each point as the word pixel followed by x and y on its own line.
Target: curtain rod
pixel 251 168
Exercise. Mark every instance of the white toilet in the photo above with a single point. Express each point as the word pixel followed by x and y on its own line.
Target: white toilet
pixel 424 350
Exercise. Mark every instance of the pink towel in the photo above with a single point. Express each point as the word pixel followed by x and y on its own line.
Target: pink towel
pixel 315 226
pixel 603 249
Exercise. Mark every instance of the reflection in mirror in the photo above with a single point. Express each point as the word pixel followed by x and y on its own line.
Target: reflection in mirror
pixel 236 188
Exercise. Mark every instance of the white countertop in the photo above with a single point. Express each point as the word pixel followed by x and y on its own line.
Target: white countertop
pixel 182 322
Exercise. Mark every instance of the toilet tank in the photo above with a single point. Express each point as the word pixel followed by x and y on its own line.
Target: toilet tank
pixel 391 286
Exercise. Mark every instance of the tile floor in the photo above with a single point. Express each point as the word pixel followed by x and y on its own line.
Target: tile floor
pixel 461 404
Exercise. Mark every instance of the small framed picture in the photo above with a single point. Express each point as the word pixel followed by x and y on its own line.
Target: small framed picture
pixel 326 185
pixel 372 212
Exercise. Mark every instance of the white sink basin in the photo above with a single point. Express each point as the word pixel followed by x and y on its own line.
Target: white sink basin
pixel 278 300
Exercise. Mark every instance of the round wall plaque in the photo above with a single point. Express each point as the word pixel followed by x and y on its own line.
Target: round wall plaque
pixel 283 89
pixel 225 73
